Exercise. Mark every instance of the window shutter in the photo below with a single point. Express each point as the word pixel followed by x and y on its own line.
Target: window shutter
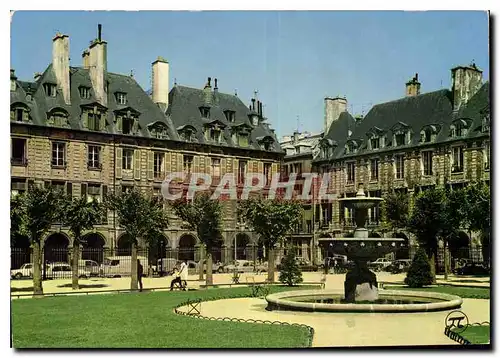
pixel 151 157
pixel 102 123
pixel 30 183
pixel 168 164
pixel 196 161
pixel 180 162
pixel 119 124
pixel 235 169
pixel 260 167
pixel 274 168
pixel 12 117
pixel 135 126
pixel 84 190
pixel 85 120
pixel 208 165
pixel 46 184
pixel 69 189
pixel 137 164
pixel 222 167
pixel 26 116
pixel 104 191
pixel 118 162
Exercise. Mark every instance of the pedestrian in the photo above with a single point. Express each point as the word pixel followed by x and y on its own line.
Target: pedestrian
pixel 176 279
pixel 183 273
pixel 140 272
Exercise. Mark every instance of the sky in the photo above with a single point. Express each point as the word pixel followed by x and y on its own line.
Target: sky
pixel 293 59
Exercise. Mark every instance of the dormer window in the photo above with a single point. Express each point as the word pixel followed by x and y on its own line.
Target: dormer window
pixel 121 97
pixel 428 134
pixel 205 112
pixel 230 116
pixel 127 121
pixel 187 135
pixel 159 131
pixel 50 89
pixel 57 118
pixel 485 123
pixel 266 143
pixel 400 139
pixel 375 143
pixel 127 125
pixel 351 147
pixel 254 119
pixel 84 92
pixel 19 113
pixel 94 117
pixel 214 134
pixel 243 139
pixel 459 128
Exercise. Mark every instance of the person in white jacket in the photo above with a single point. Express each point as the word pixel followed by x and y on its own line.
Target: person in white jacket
pixel 183 274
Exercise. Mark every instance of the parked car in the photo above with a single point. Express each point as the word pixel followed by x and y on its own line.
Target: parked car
pixel 472 269
pixel 26 270
pixel 118 266
pixel 216 266
pixel 63 270
pixel 379 264
pixel 89 265
pixel 165 266
pixel 304 265
pixel 239 266
pixel 398 266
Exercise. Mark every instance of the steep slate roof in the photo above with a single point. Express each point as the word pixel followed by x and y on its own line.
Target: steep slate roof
pixel 338 131
pixel 184 104
pixel 433 108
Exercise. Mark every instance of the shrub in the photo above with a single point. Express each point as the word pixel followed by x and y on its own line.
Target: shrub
pixel 419 274
pixel 290 273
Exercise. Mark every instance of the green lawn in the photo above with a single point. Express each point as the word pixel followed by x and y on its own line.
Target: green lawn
pixel 141 320
pixel 464 292
pixel 476 334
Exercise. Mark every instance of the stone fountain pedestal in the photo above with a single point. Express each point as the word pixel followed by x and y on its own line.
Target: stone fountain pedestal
pixel 361 283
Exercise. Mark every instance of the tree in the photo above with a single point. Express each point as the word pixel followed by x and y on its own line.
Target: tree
pixel 419 274
pixel 272 220
pixel 33 213
pixel 141 216
pixel 427 221
pixel 79 215
pixel 395 210
pixel 478 213
pixel 290 273
pixel 17 215
pixel 203 215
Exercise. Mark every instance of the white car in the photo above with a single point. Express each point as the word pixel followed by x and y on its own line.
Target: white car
pixel 379 264
pixel 240 266
pixel 62 270
pixel 26 270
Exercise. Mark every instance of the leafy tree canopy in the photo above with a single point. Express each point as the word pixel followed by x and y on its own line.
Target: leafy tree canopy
pixel 79 214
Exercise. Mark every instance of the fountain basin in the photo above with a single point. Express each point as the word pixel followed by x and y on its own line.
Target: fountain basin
pixel 390 301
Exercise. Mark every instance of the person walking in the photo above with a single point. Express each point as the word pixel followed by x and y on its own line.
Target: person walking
pixel 183 273
pixel 140 272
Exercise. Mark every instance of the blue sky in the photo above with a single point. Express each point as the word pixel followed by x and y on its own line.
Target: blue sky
pixel 293 59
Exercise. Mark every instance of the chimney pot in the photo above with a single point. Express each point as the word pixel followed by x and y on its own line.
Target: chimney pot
pixel 99 30
pixel 209 80
pixel 215 83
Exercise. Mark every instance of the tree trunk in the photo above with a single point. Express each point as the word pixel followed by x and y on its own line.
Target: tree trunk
pixel 210 276
pixel 133 268
pixel 270 265
pixel 433 264
pixel 37 269
pixel 74 265
pixel 201 265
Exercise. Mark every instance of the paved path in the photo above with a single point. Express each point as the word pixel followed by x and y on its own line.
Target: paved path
pixel 355 329
pixel 20 287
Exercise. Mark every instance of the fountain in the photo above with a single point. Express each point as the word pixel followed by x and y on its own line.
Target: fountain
pixel 360 287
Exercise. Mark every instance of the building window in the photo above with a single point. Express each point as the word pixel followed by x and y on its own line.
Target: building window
pixel 426 136
pixel 427 162
pixel 121 98
pixel 187 135
pixel 267 173
pixel 59 186
pixel 297 168
pixel 375 143
pixel 18 151
pixel 94 121
pixel 458 129
pixel 158 165
pixel 400 166
pixel 400 139
pixel 242 169
pixel 485 125
pixel 94 192
pixel 84 92
pixel 58 119
pixel 350 172
pixel 374 169
pixel 159 131
pixel 457 155
pixel 127 189
pixel 487 155
pixel 215 168
pixel 94 154
pixel 230 115
pixel 243 139
pixel 50 89
pixel 128 155
pixel 214 135
pixel 268 145
pixel 58 154
pixel 350 147
pixel 127 125
pixel 19 114
pixel 188 164
pixel 17 186
pixel 205 112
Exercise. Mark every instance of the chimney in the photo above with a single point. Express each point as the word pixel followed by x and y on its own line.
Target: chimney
pixel 413 87
pixel 13 79
pixel 207 93
pixel 216 89
pixel 466 81
pixel 160 79
pixel 260 109
pixel 60 64
pixel 333 108
pixel 85 59
pixel 98 67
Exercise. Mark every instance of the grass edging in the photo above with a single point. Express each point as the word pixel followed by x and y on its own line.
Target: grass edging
pixel 459 338
pixel 241 320
pixel 464 292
